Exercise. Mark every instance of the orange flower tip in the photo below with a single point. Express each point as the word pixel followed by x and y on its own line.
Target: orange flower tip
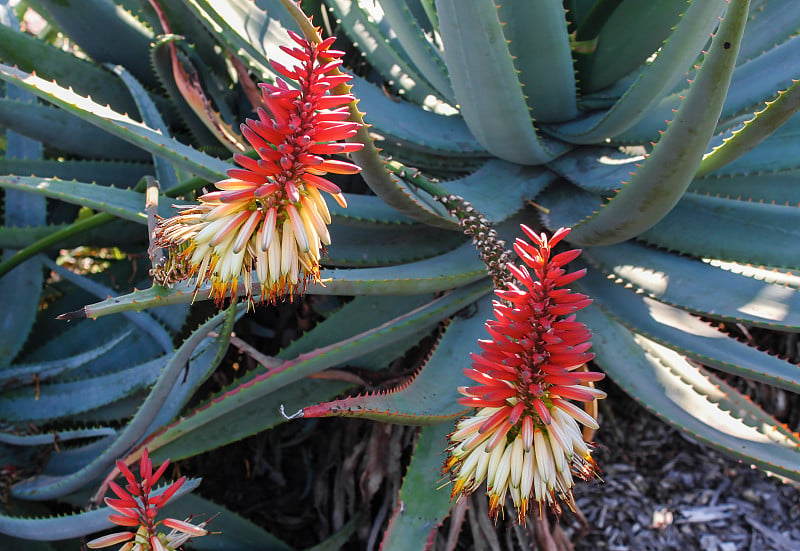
pixel 185 527
pixel 123 520
pixel 110 539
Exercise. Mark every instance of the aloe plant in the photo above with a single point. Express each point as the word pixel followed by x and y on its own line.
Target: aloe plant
pixel 667 151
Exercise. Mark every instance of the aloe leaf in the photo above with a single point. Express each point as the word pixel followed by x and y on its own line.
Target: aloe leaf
pixel 367 208
pixel 167 178
pixel 106 173
pixel 548 80
pixel 422 504
pixel 770 23
pixel 359 315
pixel 57 400
pixel 75 525
pixel 48 438
pixel 677 54
pixel 342 535
pixel 252 29
pixel 383 53
pixel 229 530
pixel 456 268
pixel 121 203
pixel 598 170
pixel 623 43
pixel 666 173
pixel 691 399
pixel 519 183
pixel 774 154
pixel 486 83
pixel 754 131
pixel 31 54
pixel 758 79
pixel 427 59
pixel 122 126
pixel 47 487
pixel 380 245
pixel 430 396
pixel 145 322
pixel 413 127
pixel 21 289
pixel 687 334
pixel 111 34
pixel 201 429
pixel 753 83
pixel 779 188
pixel 15 373
pixel 732 224
pixel 698 287
pixel 49 126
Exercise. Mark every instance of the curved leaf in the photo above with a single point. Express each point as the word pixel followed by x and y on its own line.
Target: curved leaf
pixel 698 287
pixel 486 83
pixel 666 173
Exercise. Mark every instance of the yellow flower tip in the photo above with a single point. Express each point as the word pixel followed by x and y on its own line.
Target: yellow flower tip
pixel 110 539
pixel 185 527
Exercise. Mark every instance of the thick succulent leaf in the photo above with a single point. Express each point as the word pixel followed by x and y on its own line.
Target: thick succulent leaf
pixel 165 173
pixel 698 287
pixel 759 79
pixel 770 23
pixel 687 334
pixel 430 396
pixel 755 131
pixel 21 288
pixel 363 244
pixel 383 53
pixel 47 439
pixel 359 315
pixel 548 80
pixel 31 54
pixel 121 203
pixel 229 530
pixel 598 170
pixel 110 35
pixel 426 58
pixel 58 400
pixel 50 126
pixel 486 83
pixel 678 53
pixel 454 269
pixel 253 30
pixel 147 323
pixel 367 208
pixel 408 126
pixel 47 487
pixel 201 430
pixel 519 183
pixel 666 173
pixel 106 173
pixel 729 230
pixel 691 399
pixel 122 126
pixel 422 503
pixel 754 82
pixel 41 371
pixel 775 153
pixel 781 188
pixel 624 43
pixel 75 525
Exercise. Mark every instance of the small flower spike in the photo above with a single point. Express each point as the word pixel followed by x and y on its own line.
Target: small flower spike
pixel 524 440
pixel 270 214
pixel 137 509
